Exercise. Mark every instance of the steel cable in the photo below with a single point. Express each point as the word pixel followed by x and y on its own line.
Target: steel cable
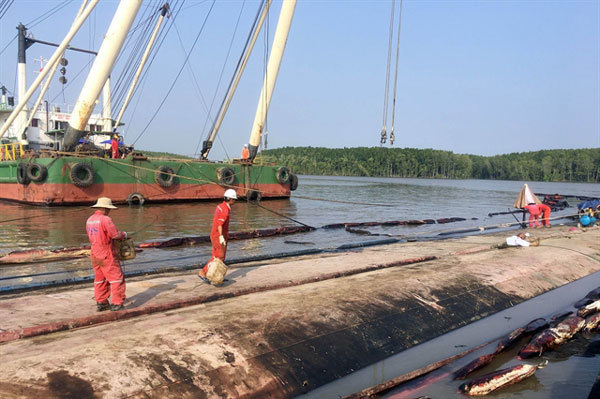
pixel 178 74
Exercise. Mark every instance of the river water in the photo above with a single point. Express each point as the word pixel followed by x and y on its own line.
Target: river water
pixel 348 199
pixel 27 227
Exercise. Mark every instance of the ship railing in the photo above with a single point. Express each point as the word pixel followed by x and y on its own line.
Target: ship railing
pixel 11 151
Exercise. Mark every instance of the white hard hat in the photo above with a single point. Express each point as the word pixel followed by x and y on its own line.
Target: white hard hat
pixel 245 145
pixel 104 202
pixel 230 193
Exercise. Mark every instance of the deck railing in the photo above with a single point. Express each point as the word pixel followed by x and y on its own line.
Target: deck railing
pixel 11 151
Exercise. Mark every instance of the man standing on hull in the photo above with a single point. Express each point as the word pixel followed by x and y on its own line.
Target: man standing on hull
pixel 108 276
pixel 219 233
pixel 114 146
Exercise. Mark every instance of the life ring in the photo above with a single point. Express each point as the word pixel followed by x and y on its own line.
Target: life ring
pixel 37 172
pixel 226 176
pixel 82 175
pixel 136 198
pixel 253 195
pixel 22 174
pixel 164 176
pixel 283 175
pixel 293 182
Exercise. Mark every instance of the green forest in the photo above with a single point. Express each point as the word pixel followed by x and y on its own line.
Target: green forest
pixel 580 165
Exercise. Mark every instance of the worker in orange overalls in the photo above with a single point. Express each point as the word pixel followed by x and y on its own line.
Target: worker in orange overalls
pixel 245 152
pixel 534 213
pixel 545 209
pixel 108 276
pixel 219 233
pixel 114 146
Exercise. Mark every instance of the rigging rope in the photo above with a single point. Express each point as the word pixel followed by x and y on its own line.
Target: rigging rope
pixel 126 76
pixel 178 74
pixel 392 138
pixel 283 216
pixel 164 31
pixel 235 77
pixel 4 6
pixel 209 111
pixel 48 14
pixel 387 76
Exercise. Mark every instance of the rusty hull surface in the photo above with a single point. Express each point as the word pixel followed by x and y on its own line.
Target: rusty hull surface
pixel 277 343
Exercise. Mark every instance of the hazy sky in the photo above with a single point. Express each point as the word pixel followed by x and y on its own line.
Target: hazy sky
pixel 478 77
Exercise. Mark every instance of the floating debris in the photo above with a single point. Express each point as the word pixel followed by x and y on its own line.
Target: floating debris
pixel 536 325
pixel 587 310
pixel 476 364
pixel 552 337
pixel 583 302
pixel 510 339
pixel 389 223
pixel 238 235
pixel 557 318
pixel 44 255
pixel 298 242
pixel 499 379
pixel 592 323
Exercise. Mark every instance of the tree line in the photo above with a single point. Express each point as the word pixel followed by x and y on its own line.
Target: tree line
pixel 579 165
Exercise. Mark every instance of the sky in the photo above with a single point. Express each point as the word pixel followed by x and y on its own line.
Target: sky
pixel 476 77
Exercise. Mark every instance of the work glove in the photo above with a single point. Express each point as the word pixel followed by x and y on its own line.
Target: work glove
pixel 222 241
pixel 125 234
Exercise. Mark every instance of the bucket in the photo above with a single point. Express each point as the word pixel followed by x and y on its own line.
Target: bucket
pixel 216 271
pixel 125 249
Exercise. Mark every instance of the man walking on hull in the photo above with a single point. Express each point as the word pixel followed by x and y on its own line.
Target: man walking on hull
pixel 219 233
pixel 108 276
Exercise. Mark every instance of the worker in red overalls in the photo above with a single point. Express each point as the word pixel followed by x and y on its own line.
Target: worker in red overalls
pixel 220 231
pixel 114 146
pixel 108 276
pixel 534 213
pixel 245 153
pixel 545 209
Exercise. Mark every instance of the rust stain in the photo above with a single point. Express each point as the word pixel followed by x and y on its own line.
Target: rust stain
pixel 85 110
pixel 29 390
pixel 66 386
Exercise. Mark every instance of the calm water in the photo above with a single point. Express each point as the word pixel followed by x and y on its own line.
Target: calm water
pixel 26 227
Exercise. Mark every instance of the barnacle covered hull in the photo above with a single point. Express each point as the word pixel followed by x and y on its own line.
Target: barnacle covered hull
pixel 73 180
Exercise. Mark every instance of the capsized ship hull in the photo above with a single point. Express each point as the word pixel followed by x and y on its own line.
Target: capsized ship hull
pixel 66 180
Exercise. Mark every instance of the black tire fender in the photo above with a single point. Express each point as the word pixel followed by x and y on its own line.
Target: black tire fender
pixel 253 195
pixel 283 175
pixel 293 182
pixel 164 176
pixel 22 173
pixel 82 175
pixel 37 172
pixel 136 198
pixel 226 176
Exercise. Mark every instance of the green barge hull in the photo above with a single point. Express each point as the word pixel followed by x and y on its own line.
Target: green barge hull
pixel 76 180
